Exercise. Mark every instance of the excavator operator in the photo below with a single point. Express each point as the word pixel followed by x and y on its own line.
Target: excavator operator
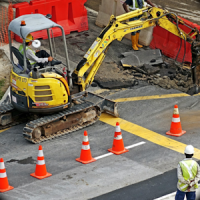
pixel 133 5
pixel 41 57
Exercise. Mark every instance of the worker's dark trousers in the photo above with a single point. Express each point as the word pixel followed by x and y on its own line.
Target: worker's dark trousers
pixel 42 54
pixel 181 195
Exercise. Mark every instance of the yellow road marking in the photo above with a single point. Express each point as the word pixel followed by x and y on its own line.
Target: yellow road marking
pixel 152 97
pixel 4 130
pixel 197 94
pixel 147 134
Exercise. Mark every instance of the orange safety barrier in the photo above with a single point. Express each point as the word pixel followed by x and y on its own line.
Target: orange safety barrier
pixel 118 144
pixel 171 45
pixel 70 14
pixel 86 156
pixel 176 129
pixel 40 170
pixel 4 185
pixel 6 16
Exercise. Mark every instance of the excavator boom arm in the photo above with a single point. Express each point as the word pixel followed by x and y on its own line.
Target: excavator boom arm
pixel 117 28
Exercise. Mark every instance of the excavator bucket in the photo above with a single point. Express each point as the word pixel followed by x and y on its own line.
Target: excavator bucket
pixel 105 105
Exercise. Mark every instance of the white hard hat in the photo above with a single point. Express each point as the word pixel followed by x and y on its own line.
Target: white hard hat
pixel 189 149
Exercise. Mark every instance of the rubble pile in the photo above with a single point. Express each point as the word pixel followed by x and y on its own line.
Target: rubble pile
pixel 167 75
pixel 111 76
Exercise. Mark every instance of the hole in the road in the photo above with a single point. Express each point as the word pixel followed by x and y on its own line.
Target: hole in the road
pixel 25 161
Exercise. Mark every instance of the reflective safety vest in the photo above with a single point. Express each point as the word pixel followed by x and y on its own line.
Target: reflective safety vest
pixel 21 50
pixel 135 5
pixel 189 171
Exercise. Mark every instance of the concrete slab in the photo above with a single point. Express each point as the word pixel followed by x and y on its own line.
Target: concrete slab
pixel 139 58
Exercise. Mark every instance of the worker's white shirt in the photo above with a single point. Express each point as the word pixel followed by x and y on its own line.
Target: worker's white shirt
pixel 31 56
pixel 181 178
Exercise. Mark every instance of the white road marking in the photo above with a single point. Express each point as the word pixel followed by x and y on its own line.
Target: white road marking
pixel 172 196
pixel 128 147
pixel 135 145
pixel 103 156
pixel 166 196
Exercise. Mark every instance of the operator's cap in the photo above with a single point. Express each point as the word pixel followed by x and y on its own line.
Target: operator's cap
pixel 189 149
pixel 29 38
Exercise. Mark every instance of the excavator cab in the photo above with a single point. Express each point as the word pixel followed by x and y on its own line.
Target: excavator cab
pixel 33 89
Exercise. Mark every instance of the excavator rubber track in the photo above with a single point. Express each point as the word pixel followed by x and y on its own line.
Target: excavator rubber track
pixel 31 126
pixel 5 115
pixel 5 108
pixel 92 106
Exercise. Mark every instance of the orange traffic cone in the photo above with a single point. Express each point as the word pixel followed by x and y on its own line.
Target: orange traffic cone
pixel 4 185
pixel 86 156
pixel 40 170
pixel 176 129
pixel 118 144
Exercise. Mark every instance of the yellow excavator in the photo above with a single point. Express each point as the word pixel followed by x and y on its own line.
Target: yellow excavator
pixel 58 100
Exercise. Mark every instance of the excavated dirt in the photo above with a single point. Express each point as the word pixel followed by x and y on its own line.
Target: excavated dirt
pixel 168 75
pixel 110 76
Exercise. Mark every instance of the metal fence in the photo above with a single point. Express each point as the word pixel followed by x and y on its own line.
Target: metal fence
pixel 6 16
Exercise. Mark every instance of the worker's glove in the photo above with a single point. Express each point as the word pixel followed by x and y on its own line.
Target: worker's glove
pixel 188 188
pixel 192 183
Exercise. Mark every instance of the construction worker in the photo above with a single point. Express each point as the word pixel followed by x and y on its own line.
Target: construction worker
pixel 133 5
pixel 41 57
pixel 188 176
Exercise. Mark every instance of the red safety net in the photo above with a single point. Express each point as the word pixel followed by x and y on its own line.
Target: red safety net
pixel 6 16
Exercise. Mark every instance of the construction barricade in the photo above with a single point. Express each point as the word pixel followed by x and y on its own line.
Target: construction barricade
pixel 70 14
pixel 170 44
pixel 108 8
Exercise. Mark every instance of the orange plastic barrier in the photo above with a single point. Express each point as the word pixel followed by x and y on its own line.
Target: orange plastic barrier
pixel 70 14
pixel 170 44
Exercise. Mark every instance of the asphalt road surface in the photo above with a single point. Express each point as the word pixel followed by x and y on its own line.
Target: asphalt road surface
pixel 151 164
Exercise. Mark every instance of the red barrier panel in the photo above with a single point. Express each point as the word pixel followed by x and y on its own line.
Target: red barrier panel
pixel 70 14
pixel 169 43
